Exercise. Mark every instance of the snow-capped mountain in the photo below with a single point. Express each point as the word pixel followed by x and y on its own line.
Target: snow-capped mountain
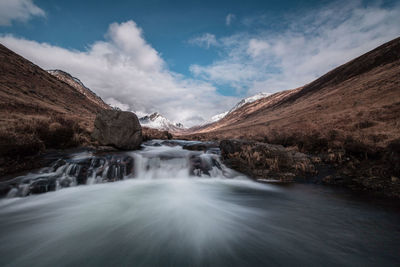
pixel 248 100
pixel 218 116
pixel 157 121
pixel 241 103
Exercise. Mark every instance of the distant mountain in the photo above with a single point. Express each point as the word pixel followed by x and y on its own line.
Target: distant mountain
pixel 218 116
pixel 248 100
pixel 79 86
pixel 241 103
pixel 157 121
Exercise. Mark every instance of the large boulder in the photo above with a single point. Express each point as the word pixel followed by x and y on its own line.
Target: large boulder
pixel 120 129
pixel 265 161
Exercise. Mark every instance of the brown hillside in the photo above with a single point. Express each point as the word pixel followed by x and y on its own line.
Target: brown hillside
pixel 349 120
pixel 38 111
pixel 360 99
pixel 79 86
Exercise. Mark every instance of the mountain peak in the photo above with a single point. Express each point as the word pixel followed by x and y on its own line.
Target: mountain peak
pixel 241 103
pixel 157 121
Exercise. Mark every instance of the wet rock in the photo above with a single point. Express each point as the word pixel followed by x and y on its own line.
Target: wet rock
pixel 65 181
pixel 203 146
pixel 120 129
pixel 42 185
pixel 262 160
pixel 106 149
pixel 202 165
pixel 129 163
pixel 149 134
pixel 5 189
pixel 58 164
pixel 118 167
pixel 170 143
pixel 115 172
pixel 214 150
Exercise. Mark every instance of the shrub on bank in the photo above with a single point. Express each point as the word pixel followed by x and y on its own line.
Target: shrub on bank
pixel 32 136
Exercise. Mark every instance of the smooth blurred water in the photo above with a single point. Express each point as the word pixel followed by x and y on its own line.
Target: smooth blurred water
pixel 165 217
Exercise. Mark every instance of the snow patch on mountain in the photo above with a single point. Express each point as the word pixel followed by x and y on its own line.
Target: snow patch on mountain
pixel 241 103
pixel 249 100
pixel 157 121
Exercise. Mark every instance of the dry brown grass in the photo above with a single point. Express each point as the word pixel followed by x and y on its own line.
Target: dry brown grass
pixel 37 112
pixel 23 140
pixel 34 134
pixel 364 108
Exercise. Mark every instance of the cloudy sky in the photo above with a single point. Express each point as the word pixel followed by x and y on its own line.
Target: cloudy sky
pixel 190 60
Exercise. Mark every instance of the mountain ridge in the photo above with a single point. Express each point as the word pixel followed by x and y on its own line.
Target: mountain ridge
pixel 159 122
pixel 79 86
pixel 38 112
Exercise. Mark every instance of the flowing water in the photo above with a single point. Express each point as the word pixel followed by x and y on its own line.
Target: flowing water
pixel 185 208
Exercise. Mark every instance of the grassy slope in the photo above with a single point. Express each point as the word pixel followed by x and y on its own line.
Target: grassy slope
pixel 37 111
pixel 359 100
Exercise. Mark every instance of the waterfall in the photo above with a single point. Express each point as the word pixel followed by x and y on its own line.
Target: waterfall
pixel 156 160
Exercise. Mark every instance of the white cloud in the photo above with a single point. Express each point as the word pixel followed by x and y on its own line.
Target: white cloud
pixel 229 19
pixel 311 45
pixel 20 10
pixel 116 104
pixel 257 47
pixel 128 73
pixel 206 40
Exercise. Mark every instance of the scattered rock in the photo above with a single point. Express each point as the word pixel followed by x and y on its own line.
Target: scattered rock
pixel 203 146
pixel 150 133
pixel 170 143
pixel 120 129
pixel 200 165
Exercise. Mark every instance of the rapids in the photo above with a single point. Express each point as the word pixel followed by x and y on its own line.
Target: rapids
pixel 184 208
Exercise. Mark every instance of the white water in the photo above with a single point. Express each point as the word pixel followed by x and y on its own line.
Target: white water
pixel 166 217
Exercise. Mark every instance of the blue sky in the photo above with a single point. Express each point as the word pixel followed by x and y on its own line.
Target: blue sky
pixel 168 25
pixel 193 59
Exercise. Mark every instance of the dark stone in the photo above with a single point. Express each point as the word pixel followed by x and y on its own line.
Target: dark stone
pixel 120 129
pixel 58 164
pixel 204 146
pixel 42 185
pixel 169 143
pixel 199 165
pixel 119 167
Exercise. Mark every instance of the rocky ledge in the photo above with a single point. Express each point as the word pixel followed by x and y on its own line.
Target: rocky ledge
pixel 265 161
pixel 376 173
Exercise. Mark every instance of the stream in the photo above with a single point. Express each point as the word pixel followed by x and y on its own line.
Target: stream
pixel 167 206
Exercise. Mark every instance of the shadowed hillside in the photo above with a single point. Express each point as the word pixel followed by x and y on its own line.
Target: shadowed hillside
pixel 38 111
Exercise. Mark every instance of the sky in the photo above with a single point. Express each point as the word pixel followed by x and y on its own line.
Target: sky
pixel 190 60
